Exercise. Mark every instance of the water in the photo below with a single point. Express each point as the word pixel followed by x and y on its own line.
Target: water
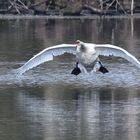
pixel 48 102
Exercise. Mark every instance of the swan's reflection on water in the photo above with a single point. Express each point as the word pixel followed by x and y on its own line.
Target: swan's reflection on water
pixel 80 113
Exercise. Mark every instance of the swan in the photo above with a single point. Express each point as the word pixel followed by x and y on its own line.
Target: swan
pixel 87 56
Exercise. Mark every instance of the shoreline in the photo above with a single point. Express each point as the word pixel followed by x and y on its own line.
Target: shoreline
pixel 11 16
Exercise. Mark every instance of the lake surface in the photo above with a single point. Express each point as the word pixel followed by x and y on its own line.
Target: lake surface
pixel 48 103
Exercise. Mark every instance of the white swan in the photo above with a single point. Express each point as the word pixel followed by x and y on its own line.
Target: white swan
pixel 87 55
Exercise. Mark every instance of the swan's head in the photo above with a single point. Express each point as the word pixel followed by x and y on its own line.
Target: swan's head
pixel 77 43
pixel 80 45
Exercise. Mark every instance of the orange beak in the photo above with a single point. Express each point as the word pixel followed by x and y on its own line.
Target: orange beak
pixel 77 43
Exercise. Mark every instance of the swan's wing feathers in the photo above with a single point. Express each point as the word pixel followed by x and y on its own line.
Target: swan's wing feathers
pixel 111 50
pixel 47 55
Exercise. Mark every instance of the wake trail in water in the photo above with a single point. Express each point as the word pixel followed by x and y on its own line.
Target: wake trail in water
pixel 120 75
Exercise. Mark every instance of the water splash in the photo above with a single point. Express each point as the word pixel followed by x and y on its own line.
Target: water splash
pixel 120 75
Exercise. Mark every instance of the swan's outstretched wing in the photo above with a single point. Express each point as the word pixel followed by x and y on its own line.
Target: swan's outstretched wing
pixel 108 50
pixel 47 55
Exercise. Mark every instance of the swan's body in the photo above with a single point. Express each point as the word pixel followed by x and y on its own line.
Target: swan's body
pixel 87 54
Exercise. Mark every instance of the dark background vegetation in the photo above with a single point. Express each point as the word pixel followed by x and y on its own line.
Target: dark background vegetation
pixel 69 7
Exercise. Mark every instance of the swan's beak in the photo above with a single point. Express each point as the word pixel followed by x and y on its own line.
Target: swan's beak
pixel 77 43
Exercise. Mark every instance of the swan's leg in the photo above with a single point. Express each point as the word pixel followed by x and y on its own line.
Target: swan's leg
pixel 76 70
pixel 102 68
pixel 96 67
pixel 82 68
pixel 99 67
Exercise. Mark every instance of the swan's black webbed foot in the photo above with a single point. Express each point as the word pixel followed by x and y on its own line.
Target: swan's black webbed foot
pixel 76 70
pixel 102 68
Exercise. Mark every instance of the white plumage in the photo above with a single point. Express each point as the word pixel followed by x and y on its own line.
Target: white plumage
pixel 86 54
pixel 111 50
pixel 47 55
